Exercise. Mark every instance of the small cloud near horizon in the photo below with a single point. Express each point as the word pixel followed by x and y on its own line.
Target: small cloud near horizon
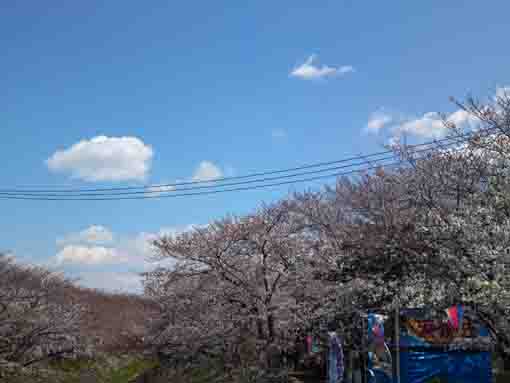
pixel 207 171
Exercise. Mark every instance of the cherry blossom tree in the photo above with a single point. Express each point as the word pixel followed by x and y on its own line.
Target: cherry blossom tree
pixel 228 283
pixel 38 319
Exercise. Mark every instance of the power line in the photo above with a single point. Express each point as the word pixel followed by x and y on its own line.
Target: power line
pixel 316 178
pixel 379 162
pixel 176 184
pixel 259 180
pixel 220 188
pixel 150 188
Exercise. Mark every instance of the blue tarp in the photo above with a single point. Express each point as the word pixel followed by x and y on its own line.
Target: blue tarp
pixel 439 350
pixel 433 351
pixel 446 366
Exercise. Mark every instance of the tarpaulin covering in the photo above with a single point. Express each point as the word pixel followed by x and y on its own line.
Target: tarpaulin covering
pixel 450 346
pixel 447 366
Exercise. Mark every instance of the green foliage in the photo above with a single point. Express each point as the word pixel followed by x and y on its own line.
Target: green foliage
pixel 100 370
pixel 202 375
pixel 503 377
pixel 72 366
pixel 434 380
pixel 124 374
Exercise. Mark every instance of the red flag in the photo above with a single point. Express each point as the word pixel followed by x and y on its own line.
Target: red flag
pixel 453 317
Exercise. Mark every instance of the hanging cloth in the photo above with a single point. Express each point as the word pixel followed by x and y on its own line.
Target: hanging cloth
pixel 308 344
pixel 335 359
pixel 315 346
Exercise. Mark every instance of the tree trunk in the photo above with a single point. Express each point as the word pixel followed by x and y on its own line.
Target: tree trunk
pixel 270 327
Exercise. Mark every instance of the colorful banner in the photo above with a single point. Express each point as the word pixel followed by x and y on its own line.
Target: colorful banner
pixel 451 328
pixel 444 346
pixel 379 355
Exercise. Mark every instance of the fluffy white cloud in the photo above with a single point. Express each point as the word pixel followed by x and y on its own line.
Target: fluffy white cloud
pixel 207 171
pixel 127 282
pixel 378 121
pixel 132 251
pixel 464 120
pixel 430 125
pixel 88 255
pixel 104 159
pixel 137 248
pixel 309 70
pixel 93 235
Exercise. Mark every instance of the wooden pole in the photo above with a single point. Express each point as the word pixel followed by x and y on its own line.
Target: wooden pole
pixel 397 342
pixel 351 366
pixel 364 351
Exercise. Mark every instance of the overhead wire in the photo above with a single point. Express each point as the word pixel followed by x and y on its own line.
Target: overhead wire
pixel 154 187
pixel 81 195
pixel 254 187
pixel 155 191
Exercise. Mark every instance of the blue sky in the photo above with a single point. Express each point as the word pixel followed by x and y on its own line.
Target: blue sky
pixel 210 88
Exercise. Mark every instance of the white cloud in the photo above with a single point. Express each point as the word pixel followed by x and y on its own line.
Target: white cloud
pixel 278 133
pixel 309 70
pixel 133 251
pixel 111 281
pixel 378 121
pixel 158 190
pixel 137 248
pixel 503 92
pixel 121 281
pixel 464 120
pixel 104 159
pixel 207 171
pixel 88 255
pixel 173 231
pixel 344 69
pixel 430 125
pixel 93 235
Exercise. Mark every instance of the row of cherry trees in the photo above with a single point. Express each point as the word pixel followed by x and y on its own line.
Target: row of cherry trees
pixel 436 231
pixel 38 316
pixel 45 316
